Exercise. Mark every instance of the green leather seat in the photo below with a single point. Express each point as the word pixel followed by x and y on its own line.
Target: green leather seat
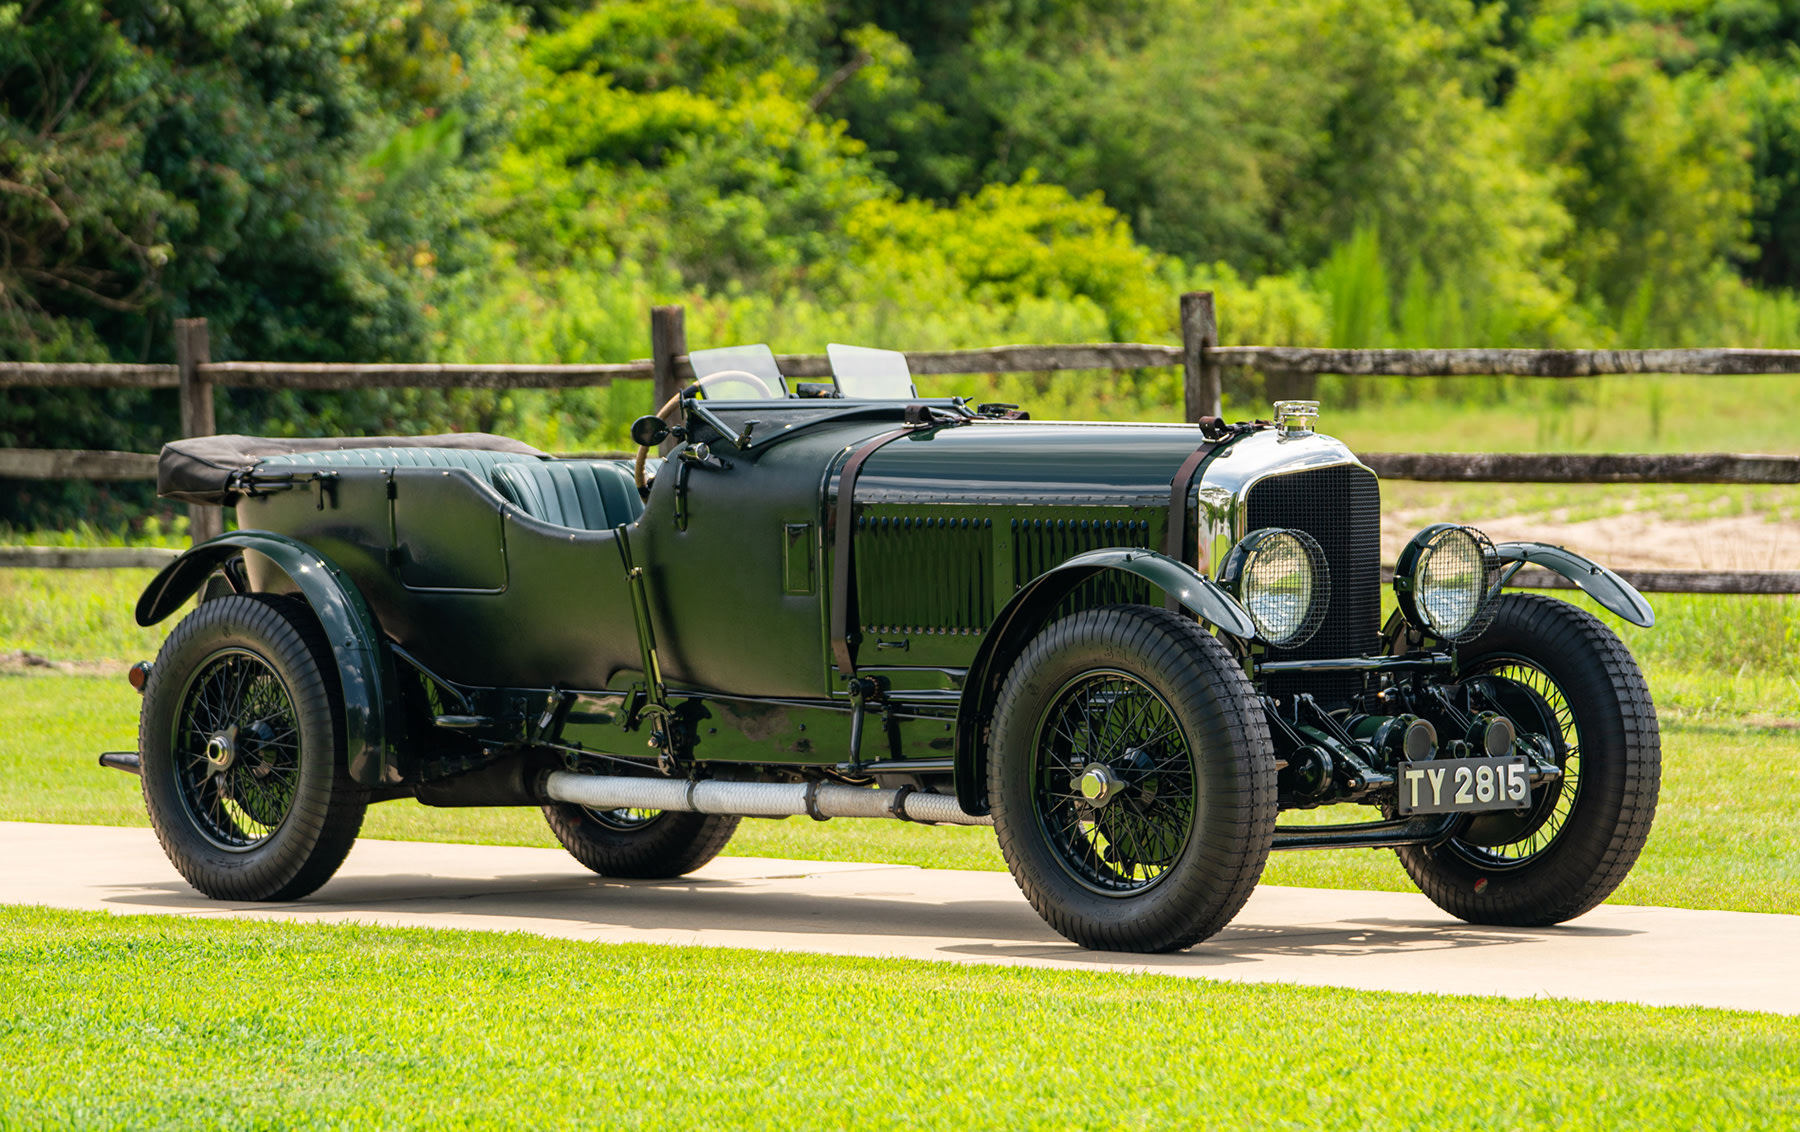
pixel 589 495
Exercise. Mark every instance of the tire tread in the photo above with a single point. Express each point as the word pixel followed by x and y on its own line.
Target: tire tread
pixel 319 831
pixel 1227 866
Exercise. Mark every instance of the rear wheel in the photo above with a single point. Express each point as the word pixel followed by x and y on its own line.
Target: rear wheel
pixel 243 767
pixel 641 844
pixel 1557 669
pixel 1132 780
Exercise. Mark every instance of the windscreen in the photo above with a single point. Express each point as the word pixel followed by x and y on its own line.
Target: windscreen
pixel 869 374
pixel 738 373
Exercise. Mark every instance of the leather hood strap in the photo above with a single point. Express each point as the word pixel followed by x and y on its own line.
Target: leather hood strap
pixel 843 642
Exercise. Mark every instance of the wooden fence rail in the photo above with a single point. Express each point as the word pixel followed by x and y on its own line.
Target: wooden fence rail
pixel 74 464
pixel 1558 467
pixel 991 359
pixel 87 557
pixel 1514 363
pixel 63 375
pixel 1200 357
pixel 1667 581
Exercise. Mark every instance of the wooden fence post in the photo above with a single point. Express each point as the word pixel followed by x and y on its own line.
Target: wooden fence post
pixel 1200 383
pixel 668 341
pixel 193 349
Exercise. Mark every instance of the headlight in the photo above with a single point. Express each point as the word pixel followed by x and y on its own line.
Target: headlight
pixel 1446 581
pixel 1280 578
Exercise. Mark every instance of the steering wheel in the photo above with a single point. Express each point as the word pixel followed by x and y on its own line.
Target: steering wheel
pixel 674 403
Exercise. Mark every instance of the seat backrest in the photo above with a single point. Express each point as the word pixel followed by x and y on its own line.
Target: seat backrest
pixel 476 460
pixel 588 495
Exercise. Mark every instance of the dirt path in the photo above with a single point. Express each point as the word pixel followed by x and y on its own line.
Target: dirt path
pixel 1630 541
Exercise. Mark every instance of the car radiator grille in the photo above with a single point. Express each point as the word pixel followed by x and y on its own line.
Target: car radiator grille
pixel 1341 507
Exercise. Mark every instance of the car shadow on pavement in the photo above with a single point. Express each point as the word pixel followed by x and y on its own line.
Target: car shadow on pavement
pixel 686 905
pixel 996 929
pixel 1250 942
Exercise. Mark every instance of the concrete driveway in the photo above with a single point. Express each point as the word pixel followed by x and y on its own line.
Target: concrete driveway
pixel 1365 940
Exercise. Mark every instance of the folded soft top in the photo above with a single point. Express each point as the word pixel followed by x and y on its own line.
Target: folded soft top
pixel 199 469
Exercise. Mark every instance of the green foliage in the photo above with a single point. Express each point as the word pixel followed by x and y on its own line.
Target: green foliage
pixel 1652 171
pixel 454 179
pixel 250 162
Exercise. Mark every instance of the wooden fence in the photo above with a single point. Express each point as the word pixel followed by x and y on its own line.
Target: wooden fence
pixel 195 375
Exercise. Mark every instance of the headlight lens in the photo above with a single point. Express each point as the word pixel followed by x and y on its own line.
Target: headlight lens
pixel 1446 581
pixel 1280 578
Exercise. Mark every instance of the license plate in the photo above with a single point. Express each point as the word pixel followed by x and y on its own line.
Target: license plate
pixel 1464 786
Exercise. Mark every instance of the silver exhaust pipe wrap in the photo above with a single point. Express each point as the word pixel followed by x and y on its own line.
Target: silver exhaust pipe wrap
pixel 756 799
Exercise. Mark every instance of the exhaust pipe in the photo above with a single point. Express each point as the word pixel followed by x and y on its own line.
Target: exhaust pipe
pixel 819 800
pixel 127 761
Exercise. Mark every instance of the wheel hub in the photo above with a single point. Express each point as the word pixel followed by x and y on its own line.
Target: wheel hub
pixel 222 750
pixel 1098 784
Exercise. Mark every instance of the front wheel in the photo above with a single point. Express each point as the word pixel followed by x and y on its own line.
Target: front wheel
pixel 1565 674
pixel 1132 780
pixel 244 771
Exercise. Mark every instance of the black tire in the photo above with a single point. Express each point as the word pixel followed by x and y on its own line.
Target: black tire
pixel 1576 845
pixel 244 771
pixel 1163 708
pixel 639 844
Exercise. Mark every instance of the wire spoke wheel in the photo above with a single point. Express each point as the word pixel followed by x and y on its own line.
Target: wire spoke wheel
pixel 1504 841
pixel 237 749
pixel 1115 785
pixel 245 773
pixel 624 820
pixel 1131 779
pixel 1557 671
pixel 638 843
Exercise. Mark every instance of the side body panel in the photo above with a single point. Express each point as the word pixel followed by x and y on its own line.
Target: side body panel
pixel 479 592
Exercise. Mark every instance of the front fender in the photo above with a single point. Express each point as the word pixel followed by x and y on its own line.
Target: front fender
pixel 364 663
pixel 1033 605
pixel 1611 591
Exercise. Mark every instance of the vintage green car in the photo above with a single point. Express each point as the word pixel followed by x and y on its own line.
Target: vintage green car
pixel 1127 647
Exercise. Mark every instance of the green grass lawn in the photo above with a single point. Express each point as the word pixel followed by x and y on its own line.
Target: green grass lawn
pixel 1725 836
pixel 77 615
pixel 150 1022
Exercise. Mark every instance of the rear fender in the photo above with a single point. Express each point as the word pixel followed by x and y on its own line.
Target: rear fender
pixel 364 662
pixel 1611 591
pixel 1031 609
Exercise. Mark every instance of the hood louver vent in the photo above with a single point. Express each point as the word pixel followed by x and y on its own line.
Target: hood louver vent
pixel 935 573
pixel 1044 544
pixel 924 574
